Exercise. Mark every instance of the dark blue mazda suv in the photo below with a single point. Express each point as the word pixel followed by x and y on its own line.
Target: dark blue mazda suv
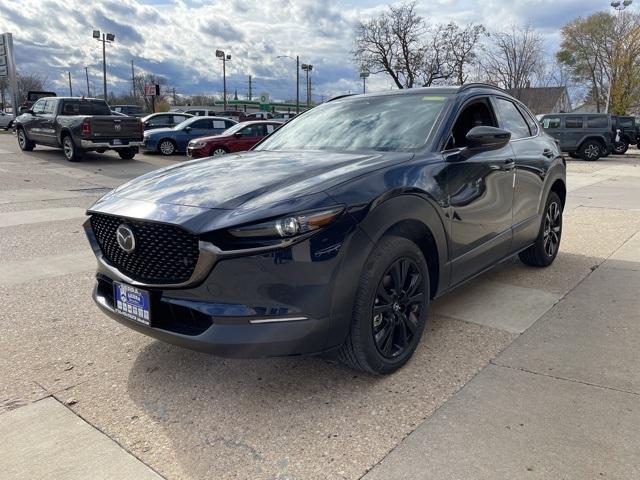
pixel 333 234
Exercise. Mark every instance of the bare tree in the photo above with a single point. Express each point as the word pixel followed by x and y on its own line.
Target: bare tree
pixel 391 43
pixel 400 43
pixel 27 82
pixel 142 79
pixel 514 57
pixel 463 47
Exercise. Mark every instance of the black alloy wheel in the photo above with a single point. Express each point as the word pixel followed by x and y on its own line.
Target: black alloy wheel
pixel 397 307
pixel 545 249
pixel 390 308
pixel 621 147
pixel 552 229
pixel 23 141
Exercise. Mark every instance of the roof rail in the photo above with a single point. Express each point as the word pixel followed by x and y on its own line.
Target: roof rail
pixel 466 86
pixel 341 96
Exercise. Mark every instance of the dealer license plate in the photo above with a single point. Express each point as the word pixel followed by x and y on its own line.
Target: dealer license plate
pixel 131 302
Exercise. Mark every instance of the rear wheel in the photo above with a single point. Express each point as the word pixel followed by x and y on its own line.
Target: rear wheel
pixel 71 151
pixel 590 150
pixel 127 153
pixel 24 143
pixel 167 147
pixel 544 251
pixel 390 309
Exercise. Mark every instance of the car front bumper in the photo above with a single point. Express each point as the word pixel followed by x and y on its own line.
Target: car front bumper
pixel 289 301
pixel 197 152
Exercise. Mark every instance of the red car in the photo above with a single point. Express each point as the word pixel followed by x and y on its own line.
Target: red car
pixel 238 138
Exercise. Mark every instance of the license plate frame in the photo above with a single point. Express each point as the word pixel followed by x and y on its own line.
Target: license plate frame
pixel 132 303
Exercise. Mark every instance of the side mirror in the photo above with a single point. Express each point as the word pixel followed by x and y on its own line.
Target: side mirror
pixel 187 129
pixel 237 134
pixel 487 138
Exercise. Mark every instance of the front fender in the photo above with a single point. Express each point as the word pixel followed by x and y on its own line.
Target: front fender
pixel 373 222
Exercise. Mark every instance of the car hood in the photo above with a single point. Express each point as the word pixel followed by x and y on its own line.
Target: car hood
pixel 212 138
pixel 252 179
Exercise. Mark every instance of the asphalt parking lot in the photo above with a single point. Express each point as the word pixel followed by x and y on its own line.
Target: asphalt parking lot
pixel 556 343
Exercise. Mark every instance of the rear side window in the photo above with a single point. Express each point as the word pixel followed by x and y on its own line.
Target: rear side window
pixel 179 119
pixel 573 122
pixel 85 107
pixel 626 122
pixel 601 121
pixel 511 119
pixel 551 122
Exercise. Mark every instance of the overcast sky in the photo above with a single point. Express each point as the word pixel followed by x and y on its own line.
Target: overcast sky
pixel 177 38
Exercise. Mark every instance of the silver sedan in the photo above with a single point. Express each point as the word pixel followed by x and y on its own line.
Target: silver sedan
pixel 6 120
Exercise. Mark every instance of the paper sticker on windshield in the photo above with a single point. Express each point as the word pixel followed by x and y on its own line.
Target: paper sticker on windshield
pixel 433 99
pixel 218 124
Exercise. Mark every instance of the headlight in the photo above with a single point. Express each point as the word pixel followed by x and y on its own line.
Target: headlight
pixel 195 144
pixel 287 227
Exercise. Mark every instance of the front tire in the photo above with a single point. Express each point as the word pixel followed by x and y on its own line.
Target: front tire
pixel 24 143
pixel 591 150
pixel 216 152
pixel 620 148
pixel 544 251
pixel 167 147
pixel 71 152
pixel 390 309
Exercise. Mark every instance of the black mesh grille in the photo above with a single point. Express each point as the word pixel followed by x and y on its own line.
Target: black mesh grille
pixel 163 253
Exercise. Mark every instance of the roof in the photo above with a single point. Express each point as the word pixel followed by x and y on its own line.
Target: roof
pixel 539 99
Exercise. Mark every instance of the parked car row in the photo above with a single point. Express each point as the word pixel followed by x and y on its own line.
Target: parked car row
pixel 592 136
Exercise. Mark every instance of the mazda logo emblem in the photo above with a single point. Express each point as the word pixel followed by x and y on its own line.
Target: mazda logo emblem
pixel 126 239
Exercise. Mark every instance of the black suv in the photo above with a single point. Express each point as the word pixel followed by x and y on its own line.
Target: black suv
pixel 626 132
pixel 334 233
pixel 588 136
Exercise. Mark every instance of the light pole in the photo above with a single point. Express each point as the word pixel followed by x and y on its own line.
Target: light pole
pixel 364 74
pixel 221 55
pixel 619 7
pixel 86 71
pixel 297 59
pixel 70 88
pixel 307 67
pixel 106 38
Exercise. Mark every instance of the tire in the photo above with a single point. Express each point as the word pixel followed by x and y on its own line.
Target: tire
pixel 24 143
pixel 620 148
pixel 71 152
pixel 127 153
pixel 9 126
pixel 591 150
pixel 544 251
pixel 382 343
pixel 216 152
pixel 167 147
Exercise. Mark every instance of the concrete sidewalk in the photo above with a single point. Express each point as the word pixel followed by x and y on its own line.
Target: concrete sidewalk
pixel 563 400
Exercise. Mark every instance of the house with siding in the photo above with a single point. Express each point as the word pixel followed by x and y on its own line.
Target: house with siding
pixel 541 100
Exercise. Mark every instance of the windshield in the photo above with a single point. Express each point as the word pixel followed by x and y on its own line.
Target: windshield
pixel 385 123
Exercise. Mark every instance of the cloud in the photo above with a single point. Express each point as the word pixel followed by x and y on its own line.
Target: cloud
pixel 177 39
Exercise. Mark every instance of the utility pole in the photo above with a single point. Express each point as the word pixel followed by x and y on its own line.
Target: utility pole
pixel 297 84
pixel 133 82
pixel 250 89
pixel 70 89
pixel 173 92
pixel 86 71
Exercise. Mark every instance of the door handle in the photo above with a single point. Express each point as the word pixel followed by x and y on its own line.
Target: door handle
pixel 547 153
